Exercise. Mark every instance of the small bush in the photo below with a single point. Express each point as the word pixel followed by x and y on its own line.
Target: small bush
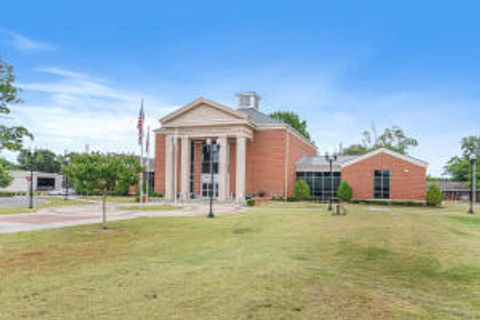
pixel 344 191
pixel 250 202
pixel 434 195
pixel 301 190
pixel 156 195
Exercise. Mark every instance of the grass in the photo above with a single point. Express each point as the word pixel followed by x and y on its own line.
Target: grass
pixel 163 207
pixel 50 203
pixel 269 263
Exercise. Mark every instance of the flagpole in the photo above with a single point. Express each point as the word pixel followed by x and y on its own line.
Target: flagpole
pixel 141 174
pixel 175 167
pixel 147 177
pixel 141 153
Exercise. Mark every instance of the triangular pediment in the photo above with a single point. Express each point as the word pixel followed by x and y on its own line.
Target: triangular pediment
pixel 203 112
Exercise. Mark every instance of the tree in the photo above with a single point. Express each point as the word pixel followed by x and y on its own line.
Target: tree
pixel 301 190
pixel 292 119
pixel 5 178
pixel 434 195
pixel 11 138
pixel 355 149
pixel 344 191
pixel 44 160
pixel 393 138
pixel 96 173
pixel 459 167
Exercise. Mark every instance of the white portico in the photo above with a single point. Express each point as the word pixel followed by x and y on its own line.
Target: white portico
pixel 193 125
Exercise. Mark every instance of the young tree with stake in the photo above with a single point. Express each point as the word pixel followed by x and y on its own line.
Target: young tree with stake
pixel 96 173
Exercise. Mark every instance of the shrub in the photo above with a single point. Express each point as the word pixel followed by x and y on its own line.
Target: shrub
pixel 344 191
pixel 434 195
pixel 250 202
pixel 301 190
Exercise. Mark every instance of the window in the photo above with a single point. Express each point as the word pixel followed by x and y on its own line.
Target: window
pixel 207 190
pixel 245 101
pixel 206 159
pixel 381 184
pixel 322 184
pixel 44 183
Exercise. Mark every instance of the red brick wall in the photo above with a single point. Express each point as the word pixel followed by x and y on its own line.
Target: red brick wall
pixel 266 161
pixel 407 180
pixel 297 149
pixel 159 163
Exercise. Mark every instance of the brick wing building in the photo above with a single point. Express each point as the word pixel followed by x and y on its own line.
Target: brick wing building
pixel 255 154
pixel 380 174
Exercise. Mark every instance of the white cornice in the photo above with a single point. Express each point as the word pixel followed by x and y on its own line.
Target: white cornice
pixel 389 152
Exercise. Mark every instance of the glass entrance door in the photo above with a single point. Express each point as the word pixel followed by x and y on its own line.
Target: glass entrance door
pixel 206 186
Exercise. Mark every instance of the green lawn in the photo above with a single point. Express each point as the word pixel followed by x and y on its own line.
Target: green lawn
pixel 50 203
pixel 272 262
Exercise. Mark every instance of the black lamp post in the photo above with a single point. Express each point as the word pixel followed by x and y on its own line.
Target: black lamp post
pixel 212 147
pixel 331 159
pixel 473 186
pixel 30 202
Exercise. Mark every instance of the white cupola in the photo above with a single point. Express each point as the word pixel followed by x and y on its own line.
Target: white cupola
pixel 247 100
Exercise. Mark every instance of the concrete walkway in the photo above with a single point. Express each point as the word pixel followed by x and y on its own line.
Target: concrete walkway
pixel 59 217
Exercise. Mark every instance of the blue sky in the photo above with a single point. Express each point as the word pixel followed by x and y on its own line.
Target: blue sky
pixel 342 65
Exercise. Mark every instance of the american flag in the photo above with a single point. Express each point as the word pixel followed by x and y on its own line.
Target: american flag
pixel 141 118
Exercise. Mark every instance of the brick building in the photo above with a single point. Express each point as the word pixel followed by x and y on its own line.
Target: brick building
pixel 253 154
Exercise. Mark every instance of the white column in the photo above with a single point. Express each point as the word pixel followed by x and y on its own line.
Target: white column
pixel 185 169
pixel 222 168
pixel 168 168
pixel 240 169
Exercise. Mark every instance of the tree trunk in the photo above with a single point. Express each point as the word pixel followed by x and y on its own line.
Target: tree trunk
pixel 104 211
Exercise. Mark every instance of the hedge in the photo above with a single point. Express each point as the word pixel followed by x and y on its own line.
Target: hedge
pixel 7 194
pixel 407 203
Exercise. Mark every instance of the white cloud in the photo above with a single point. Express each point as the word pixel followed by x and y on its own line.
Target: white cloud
pixel 438 120
pixel 78 109
pixel 23 43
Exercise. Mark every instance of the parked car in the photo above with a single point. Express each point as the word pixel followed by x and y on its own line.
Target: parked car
pixel 61 192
